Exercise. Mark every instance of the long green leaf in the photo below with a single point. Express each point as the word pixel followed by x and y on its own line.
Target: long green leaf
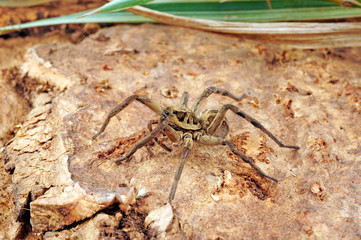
pixel 123 17
pixel 116 5
pixel 21 3
pixel 241 11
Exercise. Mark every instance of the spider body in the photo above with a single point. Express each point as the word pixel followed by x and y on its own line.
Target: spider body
pixel 180 123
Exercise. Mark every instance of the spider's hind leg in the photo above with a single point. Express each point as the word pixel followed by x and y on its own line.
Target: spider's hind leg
pixel 212 140
pixel 248 160
pixel 222 114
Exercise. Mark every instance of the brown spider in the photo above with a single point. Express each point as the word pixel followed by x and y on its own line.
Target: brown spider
pixel 182 123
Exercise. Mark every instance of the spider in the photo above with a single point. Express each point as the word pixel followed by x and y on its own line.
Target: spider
pixel 182 124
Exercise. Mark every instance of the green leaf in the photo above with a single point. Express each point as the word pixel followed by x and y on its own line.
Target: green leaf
pixel 123 17
pixel 234 11
pixel 21 3
pixel 116 5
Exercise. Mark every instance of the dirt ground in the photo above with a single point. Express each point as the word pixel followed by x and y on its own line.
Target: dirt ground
pixel 58 184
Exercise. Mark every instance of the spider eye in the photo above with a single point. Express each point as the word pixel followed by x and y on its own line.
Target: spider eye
pixel 167 112
pixel 174 112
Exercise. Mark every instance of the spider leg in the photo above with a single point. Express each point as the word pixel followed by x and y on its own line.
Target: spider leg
pixel 188 143
pixel 222 113
pixel 152 122
pixel 142 142
pixel 178 174
pixel 172 134
pixel 248 160
pixel 160 142
pixel 184 100
pixel 152 105
pixel 212 140
pixel 208 91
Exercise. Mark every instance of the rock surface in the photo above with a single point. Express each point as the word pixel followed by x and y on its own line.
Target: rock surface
pixel 309 98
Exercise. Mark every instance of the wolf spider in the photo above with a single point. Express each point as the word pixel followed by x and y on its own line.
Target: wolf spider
pixel 181 123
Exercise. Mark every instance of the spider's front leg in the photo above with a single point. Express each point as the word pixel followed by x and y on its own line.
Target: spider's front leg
pixel 142 142
pixel 188 143
pixel 163 126
pixel 159 141
pixel 152 105
pixel 206 93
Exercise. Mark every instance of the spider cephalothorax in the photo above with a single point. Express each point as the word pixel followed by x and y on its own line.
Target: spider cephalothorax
pixel 182 124
pixel 181 119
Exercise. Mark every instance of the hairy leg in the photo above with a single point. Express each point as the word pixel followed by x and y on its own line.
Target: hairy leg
pixel 212 140
pixel 208 91
pixel 142 142
pixel 157 140
pixel 172 134
pixel 222 114
pixel 188 144
pixel 152 105
pixel 178 174
pixel 248 160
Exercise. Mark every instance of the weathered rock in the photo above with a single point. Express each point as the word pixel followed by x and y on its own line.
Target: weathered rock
pixel 159 220
pixel 62 206
pixel 101 226
pixel 13 108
